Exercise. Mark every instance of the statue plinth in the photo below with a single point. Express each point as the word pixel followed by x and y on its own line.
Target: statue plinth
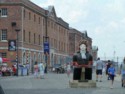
pixel 83 84
pixel 82 74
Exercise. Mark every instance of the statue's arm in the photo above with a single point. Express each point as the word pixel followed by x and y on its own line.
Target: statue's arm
pixel 90 62
pixel 75 60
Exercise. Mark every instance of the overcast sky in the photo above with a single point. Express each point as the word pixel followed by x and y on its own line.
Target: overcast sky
pixel 104 21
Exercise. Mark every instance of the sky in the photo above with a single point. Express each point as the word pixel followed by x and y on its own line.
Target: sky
pixel 104 21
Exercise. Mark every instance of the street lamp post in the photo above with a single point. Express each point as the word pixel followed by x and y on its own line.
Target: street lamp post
pixel 46 44
pixel 17 30
pixel 46 50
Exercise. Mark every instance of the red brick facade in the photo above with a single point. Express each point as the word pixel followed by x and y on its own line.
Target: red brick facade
pixel 75 37
pixel 35 23
pixel 31 20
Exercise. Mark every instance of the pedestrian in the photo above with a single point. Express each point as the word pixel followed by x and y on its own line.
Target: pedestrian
pixel 36 69
pixel 68 69
pixel 99 67
pixel 111 72
pixel 14 70
pixel 107 67
pixel 28 68
pixel 41 69
pixel 122 72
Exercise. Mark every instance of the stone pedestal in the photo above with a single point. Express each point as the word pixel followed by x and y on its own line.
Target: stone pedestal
pixel 77 84
pixel 82 74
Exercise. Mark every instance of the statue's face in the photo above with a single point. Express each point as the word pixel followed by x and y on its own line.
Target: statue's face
pixel 83 47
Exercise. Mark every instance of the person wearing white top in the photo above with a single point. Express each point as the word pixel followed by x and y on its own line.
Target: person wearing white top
pixel 68 70
pixel 41 69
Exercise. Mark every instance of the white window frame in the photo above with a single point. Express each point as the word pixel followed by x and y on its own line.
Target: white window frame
pixel 3 35
pixel 39 57
pixel 3 13
pixel 24 57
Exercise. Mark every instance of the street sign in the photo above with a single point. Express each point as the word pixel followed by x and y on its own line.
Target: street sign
pixel 46 47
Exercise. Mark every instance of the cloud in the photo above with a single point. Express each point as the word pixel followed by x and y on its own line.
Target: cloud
pixel 98 30
pixel 66 9
pixel 113 24
pixel 104 20
pixel 116 6
pixel 76 16
pixel 123 21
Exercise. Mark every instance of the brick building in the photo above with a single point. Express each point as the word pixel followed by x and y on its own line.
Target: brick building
pixel 34 24
pixel 75 37
pixel 95 52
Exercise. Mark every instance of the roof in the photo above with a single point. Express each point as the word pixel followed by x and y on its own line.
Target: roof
pixel 95 48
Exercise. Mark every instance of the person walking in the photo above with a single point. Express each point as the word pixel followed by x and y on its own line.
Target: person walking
pixel 36 69
pixel 111 72
pixel 107 67
pixel 99 67
pixel 14 70
pixel 122 72
pixel 28 68
pixel 68 69
pixel 41 69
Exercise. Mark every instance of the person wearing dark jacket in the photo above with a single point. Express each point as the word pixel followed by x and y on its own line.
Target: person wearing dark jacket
pixel 107 67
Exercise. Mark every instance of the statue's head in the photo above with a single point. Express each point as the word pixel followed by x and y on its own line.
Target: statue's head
pixel 83 46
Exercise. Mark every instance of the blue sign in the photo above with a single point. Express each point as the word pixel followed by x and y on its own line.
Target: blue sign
pixel 46 47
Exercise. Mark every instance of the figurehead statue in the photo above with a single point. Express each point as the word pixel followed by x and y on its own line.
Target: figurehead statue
pixel 82 61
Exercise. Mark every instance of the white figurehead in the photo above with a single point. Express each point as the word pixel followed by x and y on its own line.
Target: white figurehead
pixel 83 50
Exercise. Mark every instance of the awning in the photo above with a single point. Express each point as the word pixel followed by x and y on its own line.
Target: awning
pixel 4 60
pixel 13 61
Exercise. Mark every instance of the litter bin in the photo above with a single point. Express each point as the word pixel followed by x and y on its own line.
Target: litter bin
pixel 20 71
pixel 24 71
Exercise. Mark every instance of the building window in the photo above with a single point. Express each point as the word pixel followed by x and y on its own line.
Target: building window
pixel 34 38
pixel 29 16
pixel 24 35
pixel 43 21
pixel 4 12
pixel 51 24
pixel 24 13
pixel 39 57
pixel 29 37
pixel 34 18
pixel 3 34
pixel 4 55
pixel 39 39
pixel 24 58
pixel 39 20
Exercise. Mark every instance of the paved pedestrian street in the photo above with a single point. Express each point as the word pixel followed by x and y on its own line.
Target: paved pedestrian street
pixel 55 84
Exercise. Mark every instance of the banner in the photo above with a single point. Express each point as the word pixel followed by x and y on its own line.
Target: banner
pixel 12 45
